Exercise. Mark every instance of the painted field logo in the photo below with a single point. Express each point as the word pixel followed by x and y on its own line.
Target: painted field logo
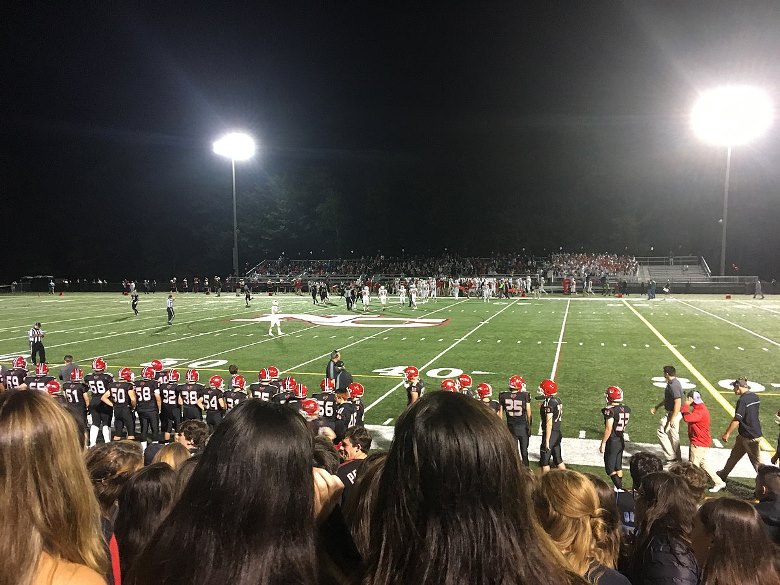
pixel 366 321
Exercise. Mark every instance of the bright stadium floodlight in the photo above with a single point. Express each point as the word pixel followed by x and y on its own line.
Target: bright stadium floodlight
pixel 731 115
pixel 235 146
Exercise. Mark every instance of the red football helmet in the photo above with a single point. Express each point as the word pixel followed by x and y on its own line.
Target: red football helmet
pixel 238 381
pixel 327 385
pixel 76 375
pixel 126 375
pixel 411 372
pixel 192 376
pixel 53 387
pixel 273 371
pixel 289 383
pixel 99 364
pixel 173 375
pixel 517 383
pixel 157 365
pixel 301 391
pixel 148 373
pixel 449 385
pixel 613 394
pixel 484 390
pixel 548 387
pixel 310 407
pixel 264 375
pixel 20 362
pixel 465 381
pixel 356 390
pixel 215 382
pixel 41 369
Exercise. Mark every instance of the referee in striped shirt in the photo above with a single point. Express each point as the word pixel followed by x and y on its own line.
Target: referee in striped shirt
pixel 170 309
pixel 36 344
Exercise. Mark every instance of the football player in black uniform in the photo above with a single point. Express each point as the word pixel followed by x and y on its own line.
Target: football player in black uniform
pixel 77 395
pixel 121 398
pixel 170 411
pixel 148 405
pixel 327 405
pixel 287 391
pixel 14 378
pixel 98 382
pixel 484 392
pixel 237 392
pixel 345 413
pixel 613 443
pixel 464 383
pixel 516 404
pixel 356 391
pixel 213 402
pixel 190 394
pixel 40 379
pixel 415 387
pixel 260 389
pixel 551 412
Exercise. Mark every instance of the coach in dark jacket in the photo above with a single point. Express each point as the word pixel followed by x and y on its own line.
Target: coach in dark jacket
pixel 343 377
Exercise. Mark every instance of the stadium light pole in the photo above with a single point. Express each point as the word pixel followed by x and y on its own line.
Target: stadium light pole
pixel 730 115
pixel 235 146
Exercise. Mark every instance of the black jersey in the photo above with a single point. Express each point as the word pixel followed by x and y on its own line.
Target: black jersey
pixel 262 391
pixel 190 393
pixel 98 383
pixel 38 382
pixel 211 398
pixel 326 401
pixel 619 414
pixel 515 404
pixel 551 405
pixel 169 393
pixel 233 398
pixel 119 394
pixel 418 386
pixel 14 378
pixel 283 397
pixel 360 409
pixel 492 405
pixel 468 392
pixel 147 392
pixel 345 418
pixel 75 394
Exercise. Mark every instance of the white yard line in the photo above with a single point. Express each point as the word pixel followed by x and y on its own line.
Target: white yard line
pixel 560 342
pixel 457 341
pixel 738 326
pixel 757 306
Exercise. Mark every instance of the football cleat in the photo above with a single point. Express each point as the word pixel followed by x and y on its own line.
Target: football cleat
pixel 99 364
pixel 173 375
pixel 192 376
pixel 215 382
pixel 517 383
pixel 53 387
pixel 41 369
pixel 548 388
pixel 484 390
pixel 20 362
pixel 411 372
pixel 310 407
pixel 355 390
pixel 327 385
pixel 148 373
pixel 126 375
pixel 264 375
pixel 157 365
pixel 238 381
pixel 273 371
pixel 449 385
pixel 613 394
pixel 301 391
pixel 76 375
pixel 464 381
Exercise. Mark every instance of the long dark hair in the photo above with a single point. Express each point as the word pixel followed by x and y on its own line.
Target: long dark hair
pixel 247 514
pixel 453 504
pixel 144 502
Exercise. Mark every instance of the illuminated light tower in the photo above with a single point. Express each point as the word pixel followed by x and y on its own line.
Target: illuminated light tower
pixel 235 146
pixel 730 116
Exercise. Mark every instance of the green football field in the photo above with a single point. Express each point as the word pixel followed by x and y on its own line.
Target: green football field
pixel 585 344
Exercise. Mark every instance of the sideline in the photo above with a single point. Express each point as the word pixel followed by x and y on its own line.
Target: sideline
pixel 738 326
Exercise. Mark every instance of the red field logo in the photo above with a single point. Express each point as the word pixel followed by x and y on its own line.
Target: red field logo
pixel 366 321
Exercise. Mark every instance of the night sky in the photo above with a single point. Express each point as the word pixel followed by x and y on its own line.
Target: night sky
pixel 477 127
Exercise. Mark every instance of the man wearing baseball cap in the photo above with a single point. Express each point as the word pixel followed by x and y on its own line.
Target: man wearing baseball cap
pixel 697 416
pixel 748 424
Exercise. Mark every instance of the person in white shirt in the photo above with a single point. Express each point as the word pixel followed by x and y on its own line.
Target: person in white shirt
pixel 402 295
pixel 486 292
pixel 413 296
pixel 366 294
pixel 169 306
pixel 383 297
pixel 275 320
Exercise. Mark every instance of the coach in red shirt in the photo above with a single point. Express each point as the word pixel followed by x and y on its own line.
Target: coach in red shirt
pixel 697 416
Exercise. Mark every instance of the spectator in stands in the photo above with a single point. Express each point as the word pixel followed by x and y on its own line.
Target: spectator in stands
pixel 642 464
pixel 355 445
pixel 110 465
pixel 193 434
pixel 453 503
pixel 50 517
pixel 174 454
pixel 144 502
pixel 694 476
pixel 324 454
pixel 184 473
pixel 768 495
pixel 568 508
pixel 664 512
pixel 611 541
pixel 247 514
pixel 731 545
pixel 358 505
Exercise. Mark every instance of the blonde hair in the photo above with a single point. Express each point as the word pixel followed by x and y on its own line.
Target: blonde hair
pixel 568 508
pixel 48 506
pixel 174 454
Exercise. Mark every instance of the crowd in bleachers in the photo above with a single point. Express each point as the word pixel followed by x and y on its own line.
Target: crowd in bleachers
pixel 580 265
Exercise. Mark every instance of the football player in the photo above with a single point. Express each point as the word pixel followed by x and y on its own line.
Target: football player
pixel 40 379
pixel 345 414
pixel 275 320
pixel 356 391
pixel 402 295
pixel 485 393
pixel 170 411
pixel 190 396
pixel 77 395
pixel 300 392
pixel 213 402
pixel 98 383
pixel 516 404
pixel 148 404
pixel 412 295
pixel 121 397
pixel 327 404
pixel 286 391
pixel 237 392
pixel 14 378
pixel 449 385
pixel 613 443
pixel 551 412
pixel 365 295
pixel 383 297
pixel 415 387
pixel 260 388
pixel 464 383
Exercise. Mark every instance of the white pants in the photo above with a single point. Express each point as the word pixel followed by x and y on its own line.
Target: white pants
pixel 670 439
